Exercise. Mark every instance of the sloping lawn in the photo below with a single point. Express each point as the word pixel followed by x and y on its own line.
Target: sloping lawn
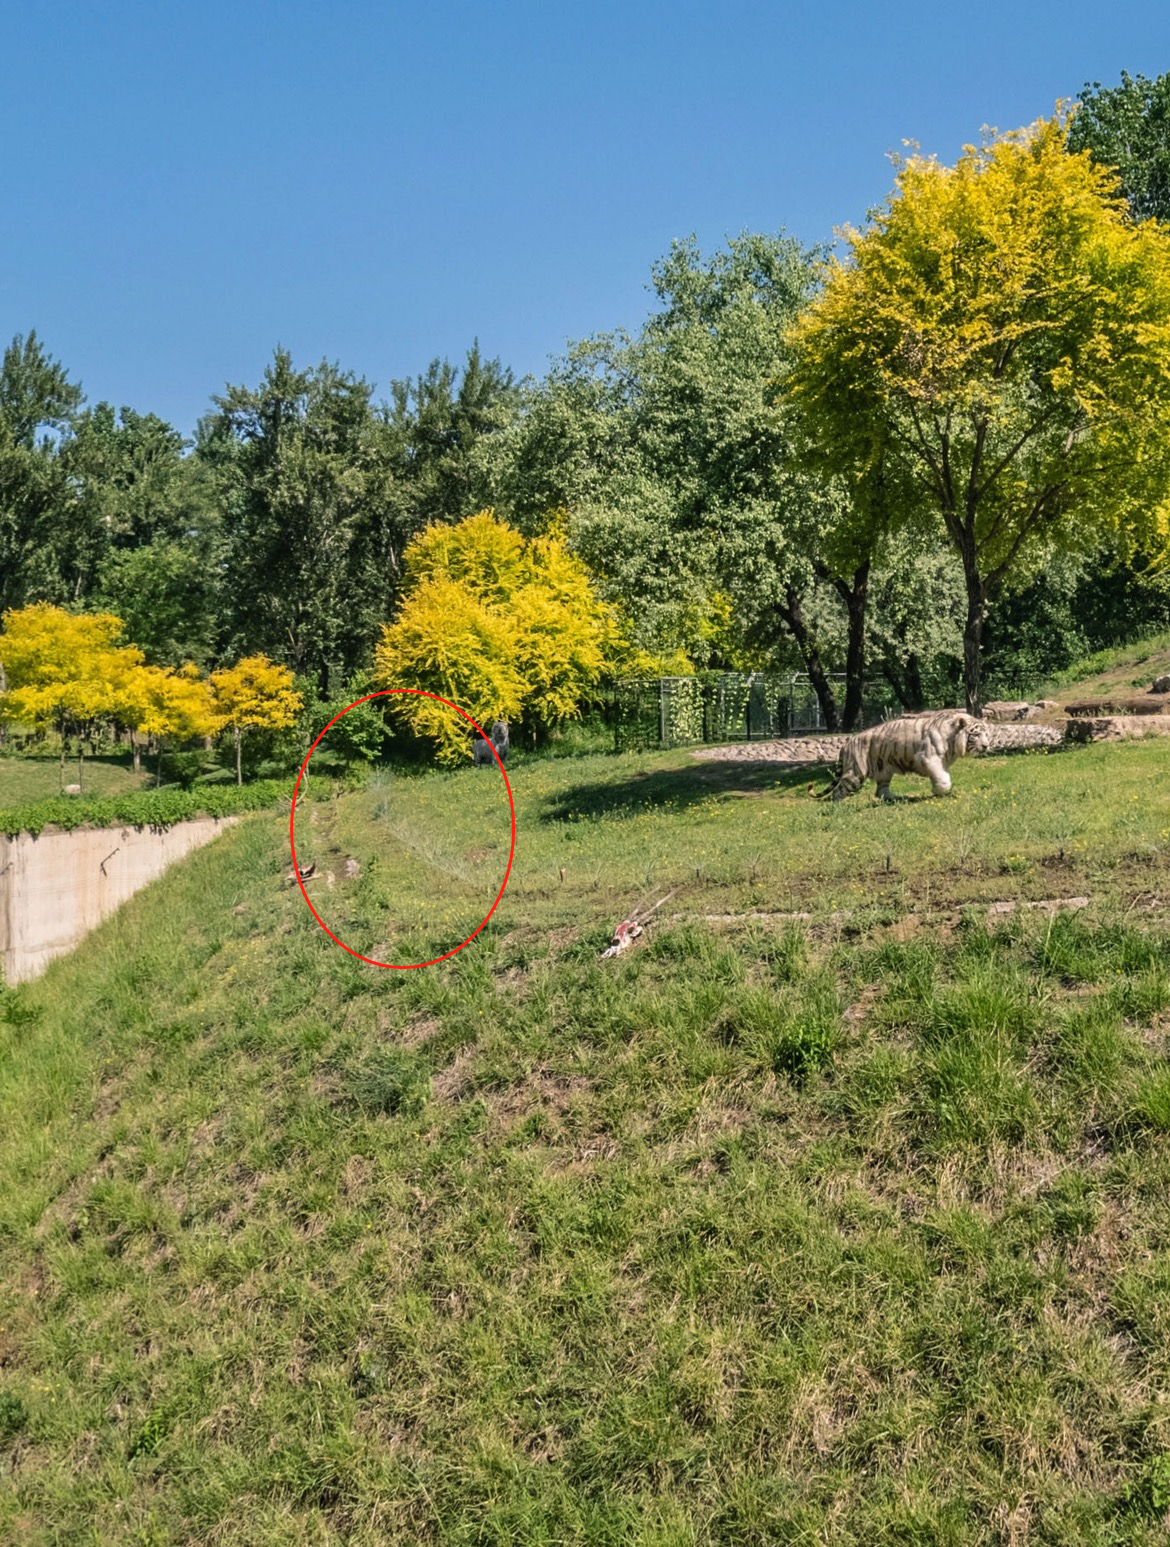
pixel 851 1228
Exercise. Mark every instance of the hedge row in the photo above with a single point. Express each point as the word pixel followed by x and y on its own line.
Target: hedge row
pixel 154 808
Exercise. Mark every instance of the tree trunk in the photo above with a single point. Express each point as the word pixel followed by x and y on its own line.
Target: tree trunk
pixel 239 763
pixel 158 765
pixel 793 614
pixel 137 751
pixel 855 598
pixel 915 698
pixel 973 643
pixel 80 751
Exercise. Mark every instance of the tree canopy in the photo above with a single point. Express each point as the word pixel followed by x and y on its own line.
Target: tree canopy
pixel 1128 127
pixel 997 351
pixel 506 627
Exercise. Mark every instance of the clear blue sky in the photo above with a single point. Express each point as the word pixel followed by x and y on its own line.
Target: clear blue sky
pixel 185 186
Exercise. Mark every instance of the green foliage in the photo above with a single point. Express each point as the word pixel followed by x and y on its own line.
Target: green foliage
pixel 391 1081
pixel 151 808
pixel 973 363
pixel 1128 127
pixel 358 737
pixel 13 1416
pixel 166 594
pixel 436 429
pixel 312 543
pixel 1150 1494
pixel 44 552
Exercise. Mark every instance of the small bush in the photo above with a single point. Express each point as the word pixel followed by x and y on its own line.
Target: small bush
pixel 990 1000
pixel 1141 998
pixel 975 1091
pixel 152 808
pixel 1078 952
pixel 1150 1495
pixel 1091 1047
pixel 13 1416
pixel 1152 1103
pixel 391 1081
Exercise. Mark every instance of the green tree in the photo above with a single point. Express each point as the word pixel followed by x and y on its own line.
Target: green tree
pixel 679 468
pixel 300 478
pixel 168 595
pixel 1128 127
pixel 434 425
pixel 40 555
pixel 996 353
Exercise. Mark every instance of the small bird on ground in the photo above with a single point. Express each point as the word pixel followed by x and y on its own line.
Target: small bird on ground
pixel 305 872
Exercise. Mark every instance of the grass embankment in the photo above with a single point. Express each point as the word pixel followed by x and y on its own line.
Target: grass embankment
pixel 854 1230
pixel 1123 667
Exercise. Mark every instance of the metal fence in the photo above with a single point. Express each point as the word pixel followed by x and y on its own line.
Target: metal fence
pixel 717 707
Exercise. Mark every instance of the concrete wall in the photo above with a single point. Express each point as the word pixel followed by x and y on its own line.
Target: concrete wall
pixel 54 889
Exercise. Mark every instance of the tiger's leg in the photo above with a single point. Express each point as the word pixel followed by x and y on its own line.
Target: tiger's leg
pixel 883 789
pixel 935 771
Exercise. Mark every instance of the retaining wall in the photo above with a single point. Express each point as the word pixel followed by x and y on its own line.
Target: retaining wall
pixel 54 889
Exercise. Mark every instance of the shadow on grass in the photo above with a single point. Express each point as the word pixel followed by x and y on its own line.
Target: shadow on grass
pixel 675 789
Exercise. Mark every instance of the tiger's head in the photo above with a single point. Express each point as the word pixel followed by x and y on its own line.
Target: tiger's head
pixel 966 736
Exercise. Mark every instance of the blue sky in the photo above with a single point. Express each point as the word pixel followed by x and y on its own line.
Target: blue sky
pixel 188 185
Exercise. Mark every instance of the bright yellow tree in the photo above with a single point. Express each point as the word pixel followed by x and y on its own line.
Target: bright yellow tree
pixel 255 694
pixel 62 670
pixel 994 357
pixel 502 626
pixel 165 705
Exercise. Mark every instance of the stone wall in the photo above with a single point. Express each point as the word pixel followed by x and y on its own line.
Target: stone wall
pixel 827 748
pixel 54 889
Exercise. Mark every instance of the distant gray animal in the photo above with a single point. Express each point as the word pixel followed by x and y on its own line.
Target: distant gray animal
pixel 482 750
pixel 925 744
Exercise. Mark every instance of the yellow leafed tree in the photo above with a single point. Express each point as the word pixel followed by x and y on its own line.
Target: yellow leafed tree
pixel 994 357
pixel 255 694
pixel 501 626
pixel 62 670
pixel 167 705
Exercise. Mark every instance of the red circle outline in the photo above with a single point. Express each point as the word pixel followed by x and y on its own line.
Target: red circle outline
pixel 401 966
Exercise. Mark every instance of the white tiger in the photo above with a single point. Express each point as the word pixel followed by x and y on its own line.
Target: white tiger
pixel 925 744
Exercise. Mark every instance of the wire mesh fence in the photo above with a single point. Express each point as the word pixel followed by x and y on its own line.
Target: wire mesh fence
pixel 718 707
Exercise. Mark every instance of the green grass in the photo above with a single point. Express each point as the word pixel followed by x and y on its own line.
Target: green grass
pixel 154 808
pixel 27 779
pixel 851 1229
pixel 1133 665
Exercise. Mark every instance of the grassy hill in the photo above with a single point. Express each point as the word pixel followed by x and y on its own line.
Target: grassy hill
pixel 846 1229
pixel 1127 669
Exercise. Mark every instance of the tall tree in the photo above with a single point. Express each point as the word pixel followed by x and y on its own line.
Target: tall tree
pixel 38 546
pixel 434 425
pixel 300 479
pixel 677 464
pixel 1128 127
pixel 997 350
